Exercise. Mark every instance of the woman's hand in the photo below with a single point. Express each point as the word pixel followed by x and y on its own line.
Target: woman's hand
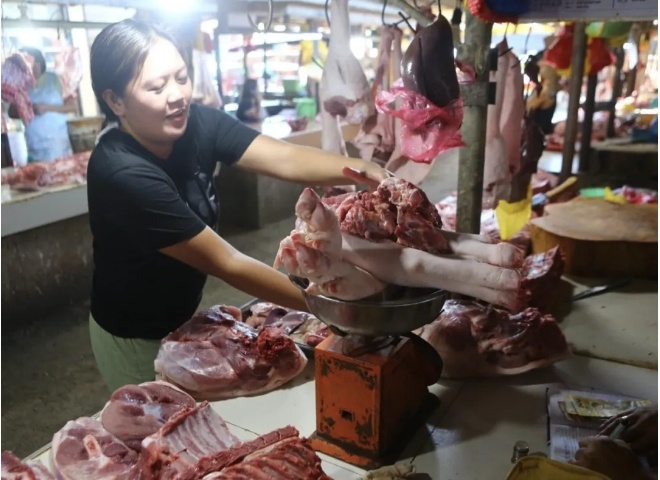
pixel 641 432
pixel 40 108
pixel 371 175
pixel 612 458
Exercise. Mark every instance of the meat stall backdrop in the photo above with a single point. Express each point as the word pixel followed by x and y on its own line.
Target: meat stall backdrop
pixel 167 436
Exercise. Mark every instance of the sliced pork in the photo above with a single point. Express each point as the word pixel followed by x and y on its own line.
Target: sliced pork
pixel 475 340
pixel 173 452
pixel 83 450
pixel 136 411
pixel 215 355
pixel 278 455
pixel 15 469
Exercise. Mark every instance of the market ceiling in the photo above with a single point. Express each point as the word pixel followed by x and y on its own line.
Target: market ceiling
pixel 362 11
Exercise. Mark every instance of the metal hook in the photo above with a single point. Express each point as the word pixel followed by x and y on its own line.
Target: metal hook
pixel 270 18
pixel 527 40
pixel 327 16
pixel 405 19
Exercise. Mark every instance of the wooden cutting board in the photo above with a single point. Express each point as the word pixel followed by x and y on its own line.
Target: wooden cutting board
pixel 600 238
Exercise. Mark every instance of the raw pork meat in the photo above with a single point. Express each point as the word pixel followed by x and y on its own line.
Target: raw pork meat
pixel 344 92
pixel 541 274
pixel 173 452
pixel 375 141
pixel 14 469
pixel 83 449
pixel 259 313
pixel 397 211
pixel 69 170
pixel 314 251
pixel 215 355
pixel 489 226
pixel 136 411
pixel 69 67
pixel 497 177
pixel 302 327
pixel 513 112
pixel 478 341
pixel 279 455
pixel 431 110
pixel 17 80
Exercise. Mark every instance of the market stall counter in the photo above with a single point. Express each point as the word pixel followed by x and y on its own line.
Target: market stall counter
pixel 470 436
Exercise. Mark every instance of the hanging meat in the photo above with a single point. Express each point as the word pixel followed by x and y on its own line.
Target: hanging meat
pixel 345 92
pixel 69 67
pixel 215 355
pixel 17 80
pixel 400 165
pixel 375 141
pixel 431 109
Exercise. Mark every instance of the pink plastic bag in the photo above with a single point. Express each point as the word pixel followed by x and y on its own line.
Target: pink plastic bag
pixel 426 129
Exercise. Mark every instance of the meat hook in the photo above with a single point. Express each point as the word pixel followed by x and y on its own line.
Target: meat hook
pixel 327 16
pixel 270 18
pixel 407 22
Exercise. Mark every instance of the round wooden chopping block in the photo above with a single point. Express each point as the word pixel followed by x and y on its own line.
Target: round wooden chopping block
pixel 600 238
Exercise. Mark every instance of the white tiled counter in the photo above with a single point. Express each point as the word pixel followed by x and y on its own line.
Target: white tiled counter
pixel 470 436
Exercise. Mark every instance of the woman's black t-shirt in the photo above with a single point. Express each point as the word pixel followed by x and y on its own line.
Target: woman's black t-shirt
pixel 139 204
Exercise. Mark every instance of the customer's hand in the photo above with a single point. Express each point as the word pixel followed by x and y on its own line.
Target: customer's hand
pixel 641 432
pixel 612 458
pixel 40 108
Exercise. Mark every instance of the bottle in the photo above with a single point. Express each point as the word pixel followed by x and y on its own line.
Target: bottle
pixel 520 449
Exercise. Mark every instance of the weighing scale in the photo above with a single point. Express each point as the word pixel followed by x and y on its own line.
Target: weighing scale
pixel 372 374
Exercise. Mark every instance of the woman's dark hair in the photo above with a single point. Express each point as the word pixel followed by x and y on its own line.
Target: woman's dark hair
pixel 117 56
pixel 250 89
pixel 37 55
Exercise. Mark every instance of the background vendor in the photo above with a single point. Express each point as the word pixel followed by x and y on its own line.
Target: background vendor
pixel 47 136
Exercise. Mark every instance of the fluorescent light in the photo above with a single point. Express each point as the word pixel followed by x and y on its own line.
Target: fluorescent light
pixel 367 33
pixel 295 28
pixel 279 28
pixel 178 6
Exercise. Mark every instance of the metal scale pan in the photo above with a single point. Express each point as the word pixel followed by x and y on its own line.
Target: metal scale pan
pixel 396 311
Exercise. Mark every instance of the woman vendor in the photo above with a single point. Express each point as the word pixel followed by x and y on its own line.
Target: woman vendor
pixel 47 135
pixel 152 204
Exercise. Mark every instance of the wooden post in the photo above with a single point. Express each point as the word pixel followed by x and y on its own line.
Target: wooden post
pixel 617 86
pixel 588 122
pixel 575 89
pixel 474 52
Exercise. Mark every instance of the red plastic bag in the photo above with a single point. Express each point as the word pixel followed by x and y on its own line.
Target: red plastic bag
pixel 481 10
pixel 558 54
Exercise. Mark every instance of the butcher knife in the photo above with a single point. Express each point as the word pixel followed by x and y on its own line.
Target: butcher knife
pixel 597 290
